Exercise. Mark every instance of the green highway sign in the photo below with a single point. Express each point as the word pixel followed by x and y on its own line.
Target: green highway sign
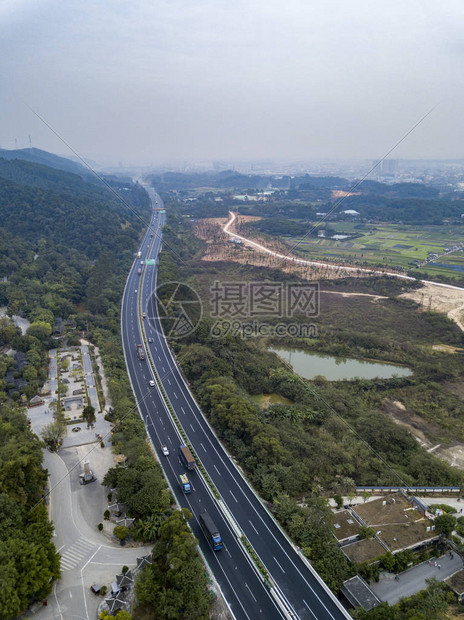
pixel 150 261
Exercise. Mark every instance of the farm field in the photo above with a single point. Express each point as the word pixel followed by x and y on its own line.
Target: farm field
pixel 390 245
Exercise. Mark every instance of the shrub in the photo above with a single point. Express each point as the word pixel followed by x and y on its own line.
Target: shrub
pixel 445 524
pixel 446 509
pixel 366 532
pixel 100 527
pixel 121 532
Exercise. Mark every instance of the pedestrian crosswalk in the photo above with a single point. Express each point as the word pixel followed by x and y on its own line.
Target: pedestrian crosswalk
pixel 76 553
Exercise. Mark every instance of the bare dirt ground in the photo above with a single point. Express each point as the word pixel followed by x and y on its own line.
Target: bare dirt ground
pixel 426 433
pixel 422 430
pixel 446 348
pixel 433 297
pixel 220 248
pixel 339 193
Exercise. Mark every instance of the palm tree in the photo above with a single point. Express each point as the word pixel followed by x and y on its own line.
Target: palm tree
pixel 147 529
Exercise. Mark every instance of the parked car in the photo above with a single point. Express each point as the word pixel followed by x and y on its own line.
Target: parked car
pixel 87 478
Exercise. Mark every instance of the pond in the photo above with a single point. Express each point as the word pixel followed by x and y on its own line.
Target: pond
pixel 310 365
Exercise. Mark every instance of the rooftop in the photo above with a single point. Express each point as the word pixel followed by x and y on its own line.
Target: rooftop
pixel 345 525
pixel 456 582
pixel 396 522
pixel 366 550
pixel 359 594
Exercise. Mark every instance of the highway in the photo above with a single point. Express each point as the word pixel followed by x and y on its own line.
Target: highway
pixel 297 587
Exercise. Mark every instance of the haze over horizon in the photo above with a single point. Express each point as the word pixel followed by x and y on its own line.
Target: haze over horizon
pixel 148 83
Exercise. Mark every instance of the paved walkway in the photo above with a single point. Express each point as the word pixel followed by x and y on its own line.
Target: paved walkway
pixel 89 378
pixel 412 580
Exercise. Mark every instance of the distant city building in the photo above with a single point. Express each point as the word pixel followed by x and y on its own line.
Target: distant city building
pixel 386 167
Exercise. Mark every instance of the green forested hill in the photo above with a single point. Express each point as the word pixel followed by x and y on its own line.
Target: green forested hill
pixel 37 156
pixel 85 223
pixel 38 175
pixel 37 202
pixel 65 248
pixel 55 230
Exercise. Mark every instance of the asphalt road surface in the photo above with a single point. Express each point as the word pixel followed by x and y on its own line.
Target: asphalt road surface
pixel 298 588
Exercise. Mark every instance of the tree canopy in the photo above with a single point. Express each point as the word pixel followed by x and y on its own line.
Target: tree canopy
pixel 29 562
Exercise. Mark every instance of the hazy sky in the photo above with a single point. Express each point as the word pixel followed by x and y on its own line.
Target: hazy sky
pixel 148 81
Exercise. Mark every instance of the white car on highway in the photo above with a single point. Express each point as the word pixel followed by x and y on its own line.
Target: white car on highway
pixel 164 450
pixel 152 383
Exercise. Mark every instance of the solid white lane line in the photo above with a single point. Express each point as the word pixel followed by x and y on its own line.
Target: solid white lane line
pixel 278 565
pixel 253 526
pixel 248 588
